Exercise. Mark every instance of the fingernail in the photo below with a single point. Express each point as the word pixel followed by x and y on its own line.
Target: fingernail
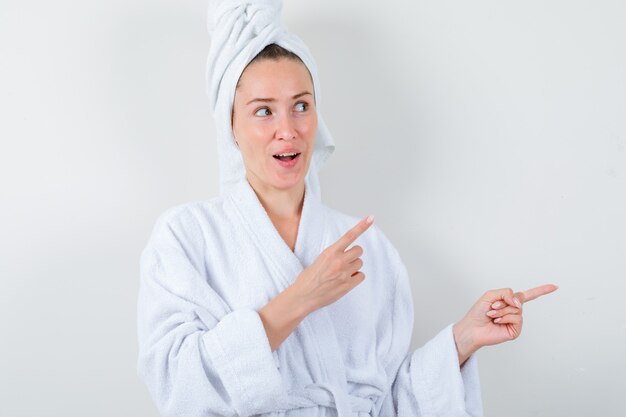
pixel 492 312
pixel 497 304
pixel 517 302
pixel 497 320
pixel 369 219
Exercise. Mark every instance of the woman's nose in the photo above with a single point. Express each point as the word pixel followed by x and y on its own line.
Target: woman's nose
pixel 285 128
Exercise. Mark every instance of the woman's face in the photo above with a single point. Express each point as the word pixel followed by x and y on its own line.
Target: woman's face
pixel 274 113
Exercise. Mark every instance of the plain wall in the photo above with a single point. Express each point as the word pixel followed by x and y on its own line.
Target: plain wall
pixel 488 138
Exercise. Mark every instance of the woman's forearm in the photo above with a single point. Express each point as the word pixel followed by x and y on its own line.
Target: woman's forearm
pixel 281 316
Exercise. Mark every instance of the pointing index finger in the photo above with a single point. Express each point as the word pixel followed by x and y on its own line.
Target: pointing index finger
pixel 536 292
pixel 352 234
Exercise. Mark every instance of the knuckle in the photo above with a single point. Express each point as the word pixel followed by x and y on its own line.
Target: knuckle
pixel 326 253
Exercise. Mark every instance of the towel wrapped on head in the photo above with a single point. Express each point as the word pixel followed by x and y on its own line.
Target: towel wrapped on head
pixel 239 30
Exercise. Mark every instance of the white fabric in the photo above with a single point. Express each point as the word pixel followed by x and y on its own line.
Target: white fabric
pixel 210 266
pixel 239 30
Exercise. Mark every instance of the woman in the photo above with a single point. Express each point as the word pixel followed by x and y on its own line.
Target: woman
pixel 264 300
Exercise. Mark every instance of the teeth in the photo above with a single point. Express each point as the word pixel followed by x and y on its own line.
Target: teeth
pixel 287 154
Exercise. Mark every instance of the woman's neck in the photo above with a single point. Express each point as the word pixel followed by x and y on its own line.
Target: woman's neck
pixel 281 205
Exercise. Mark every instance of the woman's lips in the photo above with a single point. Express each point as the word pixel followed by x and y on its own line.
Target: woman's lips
pixel 287 161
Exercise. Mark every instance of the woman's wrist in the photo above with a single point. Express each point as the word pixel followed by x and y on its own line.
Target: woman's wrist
pixel 464 341
pixel 298 306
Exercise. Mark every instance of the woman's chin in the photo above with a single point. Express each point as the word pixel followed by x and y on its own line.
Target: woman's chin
pixel 288 184
pixel 286 177
pixel 283 181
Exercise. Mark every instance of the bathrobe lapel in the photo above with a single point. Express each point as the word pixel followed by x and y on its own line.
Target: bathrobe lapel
pixel 310 242
pixel 309 239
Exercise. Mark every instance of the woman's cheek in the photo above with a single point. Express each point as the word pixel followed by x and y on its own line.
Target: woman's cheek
pixel 307 128
pixel 261 131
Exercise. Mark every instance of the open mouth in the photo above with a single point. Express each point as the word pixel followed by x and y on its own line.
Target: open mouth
pixel 286 156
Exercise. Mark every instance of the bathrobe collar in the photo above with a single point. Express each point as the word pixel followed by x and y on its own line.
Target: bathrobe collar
pixel 309 240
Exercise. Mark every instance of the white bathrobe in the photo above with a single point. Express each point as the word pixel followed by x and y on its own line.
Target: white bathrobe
pixel 210 266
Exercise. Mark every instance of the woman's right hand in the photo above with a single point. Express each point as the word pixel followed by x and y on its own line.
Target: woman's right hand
pixel 334 273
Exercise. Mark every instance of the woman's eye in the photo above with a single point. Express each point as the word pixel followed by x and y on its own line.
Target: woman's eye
pixel 302 105
pixel 261 110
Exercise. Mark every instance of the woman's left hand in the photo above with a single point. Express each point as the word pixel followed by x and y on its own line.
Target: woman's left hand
pixel 495 318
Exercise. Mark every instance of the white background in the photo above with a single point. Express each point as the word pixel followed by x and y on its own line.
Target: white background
pixel 488 138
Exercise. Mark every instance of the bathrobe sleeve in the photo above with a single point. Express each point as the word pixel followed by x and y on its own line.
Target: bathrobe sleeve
pixel 197 357
pixel 427 382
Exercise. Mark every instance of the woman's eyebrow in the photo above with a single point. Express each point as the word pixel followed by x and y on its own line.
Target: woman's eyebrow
pixel 269 100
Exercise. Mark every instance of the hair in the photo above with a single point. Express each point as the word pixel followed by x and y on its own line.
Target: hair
pixel 273 52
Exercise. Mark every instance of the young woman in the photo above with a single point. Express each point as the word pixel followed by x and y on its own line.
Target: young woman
pixel 265 301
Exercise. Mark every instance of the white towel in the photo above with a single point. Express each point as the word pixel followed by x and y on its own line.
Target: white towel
pixel 239 30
